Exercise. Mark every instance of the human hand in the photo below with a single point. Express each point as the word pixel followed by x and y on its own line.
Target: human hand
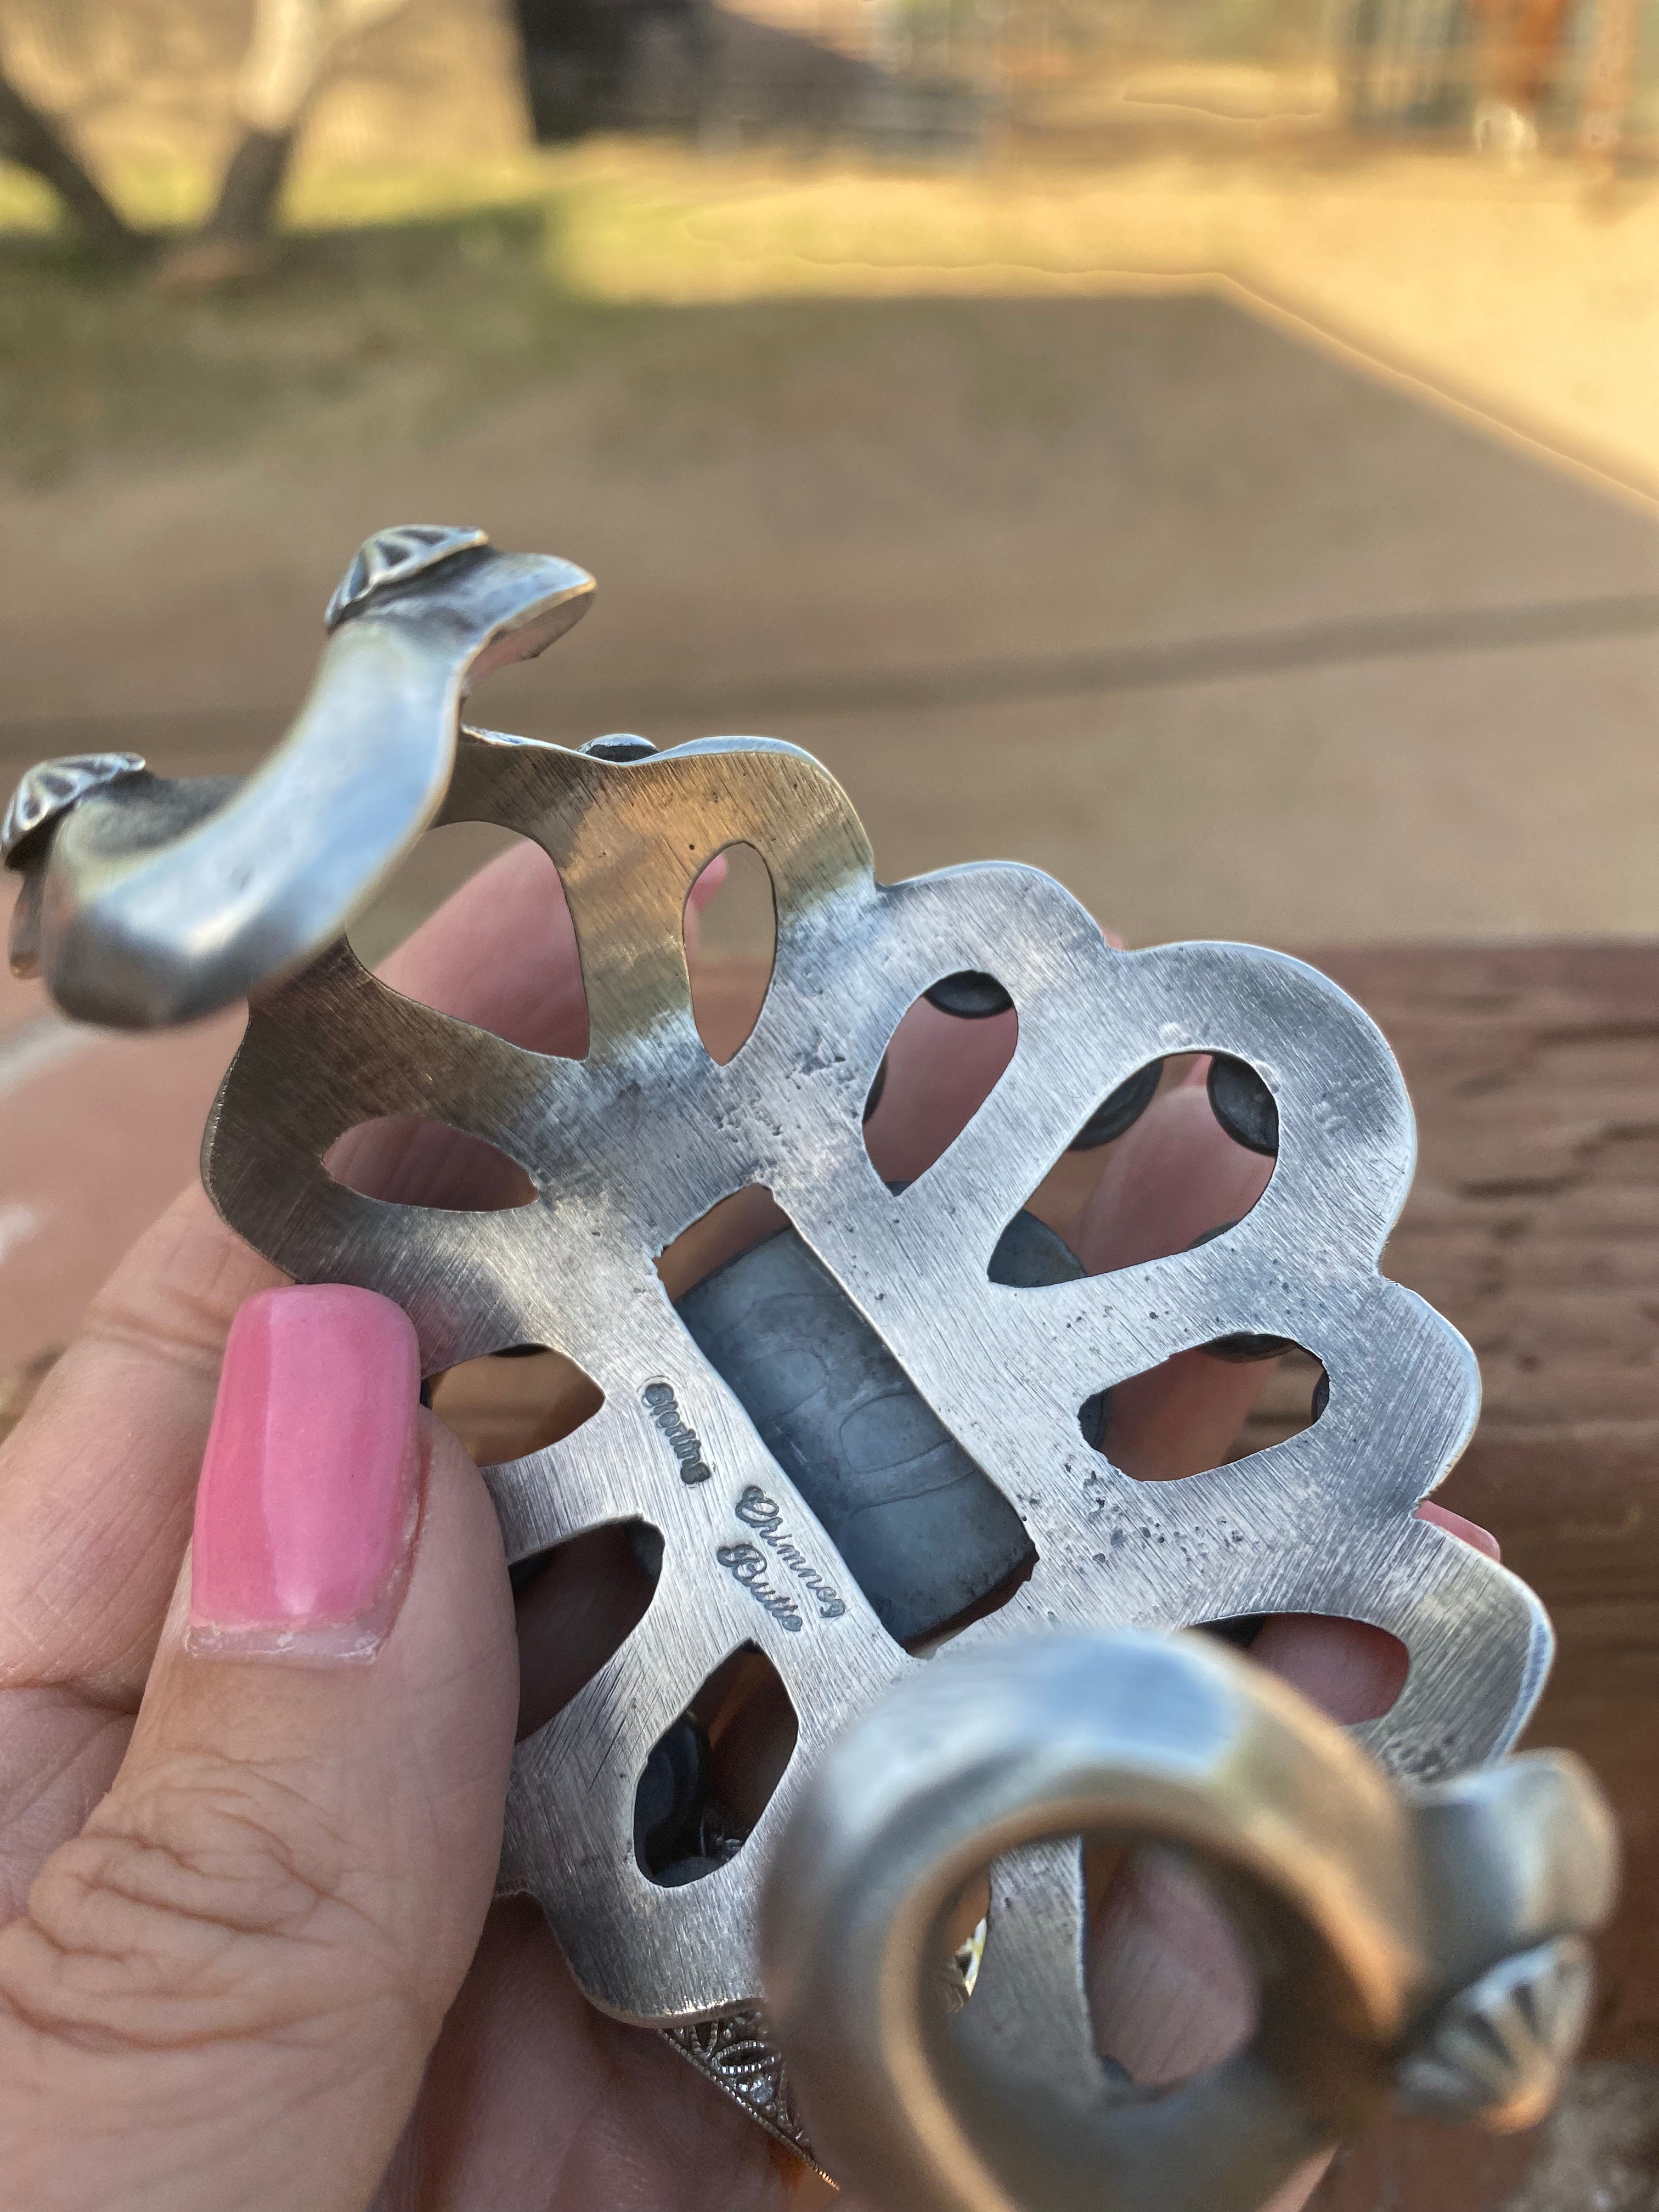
pixel 251 1958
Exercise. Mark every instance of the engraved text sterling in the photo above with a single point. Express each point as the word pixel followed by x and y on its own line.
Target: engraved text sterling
pixel 685 1444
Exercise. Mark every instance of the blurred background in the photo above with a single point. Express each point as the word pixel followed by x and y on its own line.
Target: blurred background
pixel 1207 448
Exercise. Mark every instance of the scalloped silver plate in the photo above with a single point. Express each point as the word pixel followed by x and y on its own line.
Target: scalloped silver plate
pixel 631 1147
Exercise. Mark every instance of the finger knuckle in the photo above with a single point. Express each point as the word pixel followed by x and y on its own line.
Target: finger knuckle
pixel 211 1901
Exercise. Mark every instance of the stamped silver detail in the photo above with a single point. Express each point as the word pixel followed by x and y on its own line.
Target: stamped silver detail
pixel 393 556
pixel 746 1565
pixel 765 1517
pixel 50 789
pixel 1358 1899
pixel 194 893
pixel 1498 2050
pixel 685 1444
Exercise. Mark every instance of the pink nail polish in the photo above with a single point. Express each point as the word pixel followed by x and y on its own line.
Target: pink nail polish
pixel 310 1490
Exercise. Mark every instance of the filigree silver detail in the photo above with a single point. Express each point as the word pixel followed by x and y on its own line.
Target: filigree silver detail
pixel 733 2052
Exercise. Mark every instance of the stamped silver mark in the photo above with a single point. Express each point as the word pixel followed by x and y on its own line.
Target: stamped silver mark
pixel 764 1515
pixel 746 1563
pixel 684 1443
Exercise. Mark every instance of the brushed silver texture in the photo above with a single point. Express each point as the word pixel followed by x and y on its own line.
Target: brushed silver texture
pixel 1338 1888
pixel 150 905
pixel 628 1148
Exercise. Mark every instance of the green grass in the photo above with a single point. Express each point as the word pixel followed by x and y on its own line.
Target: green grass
pixel 383 329
pixel 399 306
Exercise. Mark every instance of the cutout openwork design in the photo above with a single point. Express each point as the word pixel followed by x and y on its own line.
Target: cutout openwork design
pixel 631 1146
pixel 730 943
pixel 516 1400
pixel 577 1603
pixel 405 1159
pixel 942 1064
pixel 1181 1418
pixel 1154 1921
pixel 713 1772
pixel 505 891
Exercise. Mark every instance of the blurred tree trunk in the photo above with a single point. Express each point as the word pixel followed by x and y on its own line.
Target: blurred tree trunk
pixel 293 45
pixel 31 140
pixel 252 186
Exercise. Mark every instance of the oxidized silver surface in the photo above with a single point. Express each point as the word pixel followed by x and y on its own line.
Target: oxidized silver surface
pixel 629 1147
pixel 1429 1940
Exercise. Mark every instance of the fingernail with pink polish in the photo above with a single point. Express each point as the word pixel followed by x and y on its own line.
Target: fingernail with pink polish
pixel 310 1492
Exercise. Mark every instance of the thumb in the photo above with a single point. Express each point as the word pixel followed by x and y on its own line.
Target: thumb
pixel 225 1987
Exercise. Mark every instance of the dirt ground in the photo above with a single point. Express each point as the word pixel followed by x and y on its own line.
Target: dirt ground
pixel 1239 630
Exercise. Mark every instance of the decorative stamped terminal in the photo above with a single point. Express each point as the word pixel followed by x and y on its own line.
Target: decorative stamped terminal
pixel 50 789
pixel 396 557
